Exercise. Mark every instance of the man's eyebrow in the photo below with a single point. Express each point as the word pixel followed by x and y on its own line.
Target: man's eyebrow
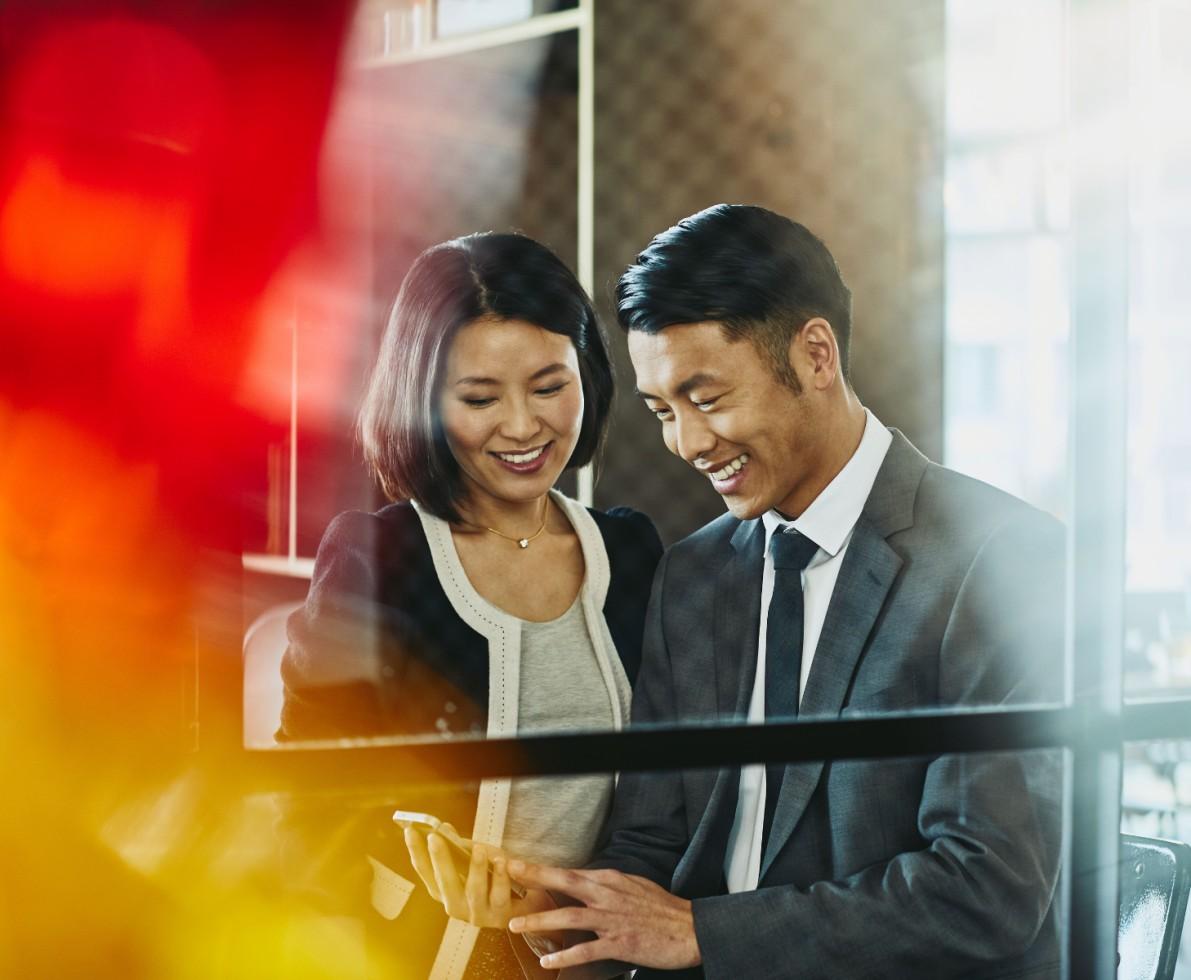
pixel 472 379
pixel 691 383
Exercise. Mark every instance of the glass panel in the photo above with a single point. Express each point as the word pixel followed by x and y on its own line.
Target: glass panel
pixel 1007 292
pixel 1006 411
pixel 1158 524
pixel 912 867
pixel 486 139
pixel 1007 286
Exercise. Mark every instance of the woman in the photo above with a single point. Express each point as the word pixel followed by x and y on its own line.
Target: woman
pixel 482 600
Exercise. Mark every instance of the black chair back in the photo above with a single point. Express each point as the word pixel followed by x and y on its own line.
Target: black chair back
pixel 1155 881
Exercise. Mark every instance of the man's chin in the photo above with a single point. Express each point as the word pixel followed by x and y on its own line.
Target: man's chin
pixel 744 508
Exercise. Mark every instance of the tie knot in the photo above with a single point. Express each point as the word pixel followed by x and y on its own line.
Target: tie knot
pixel 790 549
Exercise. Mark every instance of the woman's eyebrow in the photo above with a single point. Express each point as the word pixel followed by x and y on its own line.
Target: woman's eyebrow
pixel 472 379
pixel 548 369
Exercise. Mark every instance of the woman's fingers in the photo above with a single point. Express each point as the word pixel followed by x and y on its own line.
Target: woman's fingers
pixel 484 898
pixel 477 884
pixel 416 845
pixel 500 896
pixel 446 876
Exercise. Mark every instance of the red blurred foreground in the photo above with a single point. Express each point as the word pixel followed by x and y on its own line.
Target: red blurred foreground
pixel 157 168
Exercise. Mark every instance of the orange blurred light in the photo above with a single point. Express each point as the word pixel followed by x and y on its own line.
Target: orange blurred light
pixel 58 234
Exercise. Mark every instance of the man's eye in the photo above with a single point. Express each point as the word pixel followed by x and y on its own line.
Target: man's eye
pixel 662 413
pixel 704 406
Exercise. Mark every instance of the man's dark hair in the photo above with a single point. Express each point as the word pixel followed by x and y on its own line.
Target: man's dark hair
pixel 759 274
pixel 503 276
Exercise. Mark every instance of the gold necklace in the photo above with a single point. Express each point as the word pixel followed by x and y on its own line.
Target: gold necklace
pixel 524 542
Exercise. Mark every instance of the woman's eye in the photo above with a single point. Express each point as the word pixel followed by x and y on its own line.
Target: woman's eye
pixel 478 402
pixel 552 390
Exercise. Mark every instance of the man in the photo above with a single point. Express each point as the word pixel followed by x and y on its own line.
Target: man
pixel 851 575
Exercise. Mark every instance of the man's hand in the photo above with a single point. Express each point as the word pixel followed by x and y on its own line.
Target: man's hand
pixel 634 920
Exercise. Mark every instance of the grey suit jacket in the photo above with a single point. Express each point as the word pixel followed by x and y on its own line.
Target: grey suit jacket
pixel 950 593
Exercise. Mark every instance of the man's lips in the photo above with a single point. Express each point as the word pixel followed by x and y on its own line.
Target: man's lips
pixel 723 471
pixel 727 476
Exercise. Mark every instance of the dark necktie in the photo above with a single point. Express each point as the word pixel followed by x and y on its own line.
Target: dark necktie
pixel 791 553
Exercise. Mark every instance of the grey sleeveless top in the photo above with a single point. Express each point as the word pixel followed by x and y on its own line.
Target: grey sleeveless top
pixel 557 819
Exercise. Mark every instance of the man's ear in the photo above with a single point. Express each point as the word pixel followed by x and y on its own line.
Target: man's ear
pixel 814 353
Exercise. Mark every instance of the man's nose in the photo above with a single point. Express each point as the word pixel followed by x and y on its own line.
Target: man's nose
pixel 692 437
pixel 520 422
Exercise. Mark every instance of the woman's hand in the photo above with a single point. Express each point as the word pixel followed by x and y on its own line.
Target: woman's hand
pixel 472 893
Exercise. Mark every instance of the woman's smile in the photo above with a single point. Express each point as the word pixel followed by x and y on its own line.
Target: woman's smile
pixel 525 461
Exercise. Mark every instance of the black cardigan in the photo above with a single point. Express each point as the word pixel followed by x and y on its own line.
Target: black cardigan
pixel 378 649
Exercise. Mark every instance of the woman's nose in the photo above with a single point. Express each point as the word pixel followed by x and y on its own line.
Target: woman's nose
pixel 520 422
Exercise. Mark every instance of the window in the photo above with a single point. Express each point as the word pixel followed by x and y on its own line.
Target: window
pixel 1021 260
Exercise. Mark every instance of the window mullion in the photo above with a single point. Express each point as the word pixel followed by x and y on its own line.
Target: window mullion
pixel 1099 302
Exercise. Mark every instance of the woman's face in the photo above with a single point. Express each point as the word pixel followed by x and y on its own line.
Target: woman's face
pixel 512 408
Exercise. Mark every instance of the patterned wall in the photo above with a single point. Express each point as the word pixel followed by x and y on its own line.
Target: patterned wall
pixel 828 111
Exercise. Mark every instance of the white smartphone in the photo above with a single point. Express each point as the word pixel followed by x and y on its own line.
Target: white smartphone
pixel 428 822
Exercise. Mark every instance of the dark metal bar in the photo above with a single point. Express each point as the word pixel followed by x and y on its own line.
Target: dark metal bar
pixel 1153 720
pixel 1099 74
pixel 384 765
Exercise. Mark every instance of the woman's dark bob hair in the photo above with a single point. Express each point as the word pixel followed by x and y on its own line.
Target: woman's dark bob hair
pixel 504 276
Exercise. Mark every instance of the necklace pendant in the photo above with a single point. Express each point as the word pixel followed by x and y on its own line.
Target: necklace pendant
pixel 524 542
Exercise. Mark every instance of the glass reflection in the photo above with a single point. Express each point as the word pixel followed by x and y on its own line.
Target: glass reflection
pixel 965 882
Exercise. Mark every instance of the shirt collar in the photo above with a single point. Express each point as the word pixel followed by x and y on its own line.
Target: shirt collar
pixel 829 519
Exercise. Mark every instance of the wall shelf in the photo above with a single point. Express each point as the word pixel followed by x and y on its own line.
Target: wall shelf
pixel 540 25
pixel 291 566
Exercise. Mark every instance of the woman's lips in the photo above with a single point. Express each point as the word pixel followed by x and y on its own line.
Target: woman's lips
pixel 519 463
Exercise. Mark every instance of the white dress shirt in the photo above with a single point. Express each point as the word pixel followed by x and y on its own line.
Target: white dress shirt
pixel 828 521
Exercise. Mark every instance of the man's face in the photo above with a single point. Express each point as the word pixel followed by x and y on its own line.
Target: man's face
pixel 724 412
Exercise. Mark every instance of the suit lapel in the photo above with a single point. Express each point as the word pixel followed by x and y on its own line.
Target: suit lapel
pixel 866 575
pixel 736 623
pixel 869 569
pixel 699 872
